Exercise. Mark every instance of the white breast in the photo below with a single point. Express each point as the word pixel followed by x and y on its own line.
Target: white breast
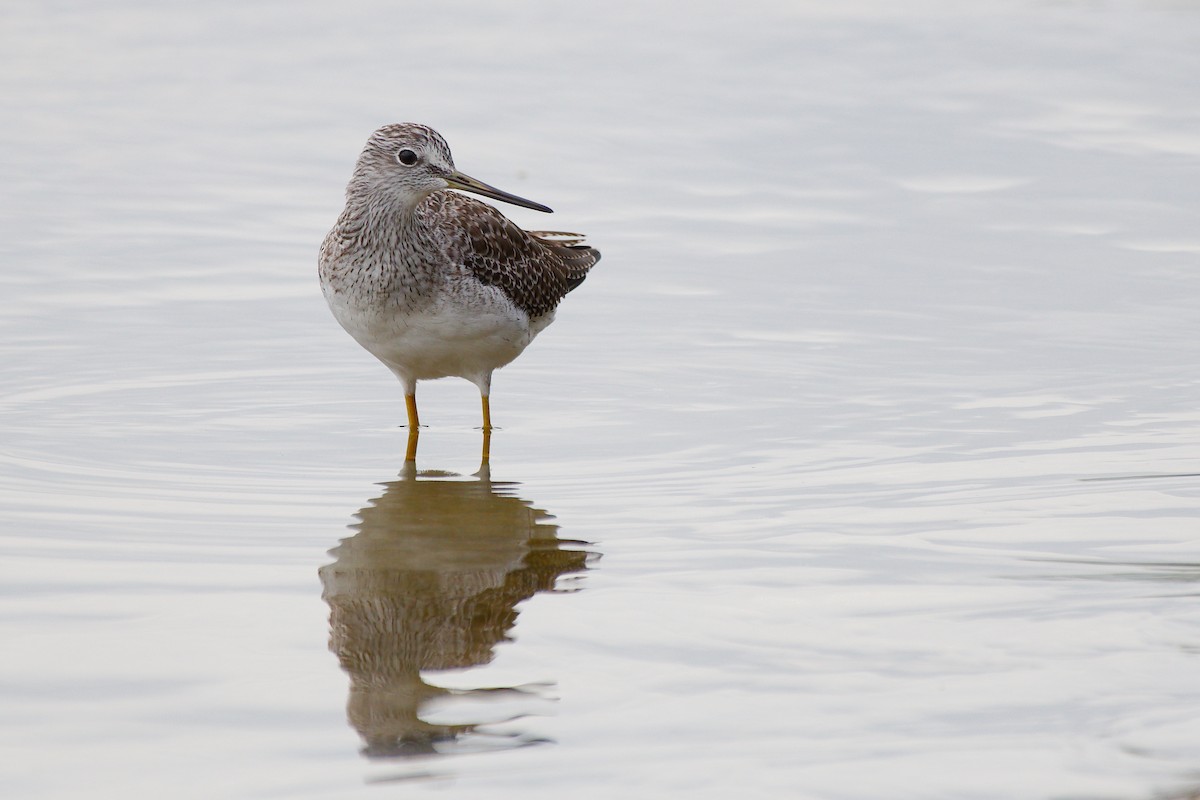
pixel 467 332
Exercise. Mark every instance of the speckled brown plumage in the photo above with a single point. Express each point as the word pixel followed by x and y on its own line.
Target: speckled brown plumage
pixel 533 269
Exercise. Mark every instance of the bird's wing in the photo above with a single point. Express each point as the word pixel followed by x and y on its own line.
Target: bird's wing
pixel 558 237
pixel 534 270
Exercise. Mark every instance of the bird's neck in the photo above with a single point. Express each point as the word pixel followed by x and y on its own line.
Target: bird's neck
pixel 381 246
pixel 381 221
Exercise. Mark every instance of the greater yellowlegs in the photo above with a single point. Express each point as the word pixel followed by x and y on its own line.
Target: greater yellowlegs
pixel 435 284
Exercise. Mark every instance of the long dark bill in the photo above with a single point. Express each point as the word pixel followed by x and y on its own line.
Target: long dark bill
pixel 469 184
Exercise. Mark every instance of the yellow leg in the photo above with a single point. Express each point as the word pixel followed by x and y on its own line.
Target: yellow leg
pixel 487 414
pixel 410 454
pixel 487 447
pixel 410 405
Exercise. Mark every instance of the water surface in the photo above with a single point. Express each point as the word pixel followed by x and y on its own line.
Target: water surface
pixel 865 464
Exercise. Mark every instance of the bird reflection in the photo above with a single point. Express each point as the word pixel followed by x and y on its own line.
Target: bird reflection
pixel 430 581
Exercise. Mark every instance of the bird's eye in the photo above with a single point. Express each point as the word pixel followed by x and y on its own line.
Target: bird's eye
pixel 406 157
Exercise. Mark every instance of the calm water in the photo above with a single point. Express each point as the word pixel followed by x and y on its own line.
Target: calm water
pixel 865 464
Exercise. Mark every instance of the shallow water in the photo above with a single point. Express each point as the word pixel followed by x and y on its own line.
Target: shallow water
pixel 865 464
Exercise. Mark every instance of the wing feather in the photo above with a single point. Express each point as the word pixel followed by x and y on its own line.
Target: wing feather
pixel 534 269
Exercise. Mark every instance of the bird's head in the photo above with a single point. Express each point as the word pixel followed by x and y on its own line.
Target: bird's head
pixel 408 161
